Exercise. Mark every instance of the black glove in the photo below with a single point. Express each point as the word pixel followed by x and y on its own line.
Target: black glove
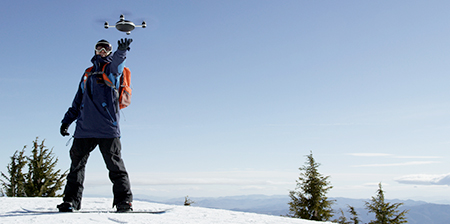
pixel 124 44
pixel 64 128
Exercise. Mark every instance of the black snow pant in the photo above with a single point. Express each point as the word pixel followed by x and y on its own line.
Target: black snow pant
pixel 79 154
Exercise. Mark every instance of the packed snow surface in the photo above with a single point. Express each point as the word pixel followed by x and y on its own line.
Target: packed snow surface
pixel 12 212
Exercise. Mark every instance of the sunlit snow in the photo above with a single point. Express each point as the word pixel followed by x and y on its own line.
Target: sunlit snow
pixel 11 212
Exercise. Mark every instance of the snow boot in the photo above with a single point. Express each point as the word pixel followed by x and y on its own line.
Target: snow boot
pixel 65 207
pixel 124 206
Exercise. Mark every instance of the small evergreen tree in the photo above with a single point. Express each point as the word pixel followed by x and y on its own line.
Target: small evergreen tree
pixel 385 212
pixel 354 216
pixel 309 200
pixel 342 219
pixel 188 201
pixel 42 179
pixel 15 180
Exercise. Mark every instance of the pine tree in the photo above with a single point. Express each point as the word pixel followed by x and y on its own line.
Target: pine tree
pixel 15 180
pixel 188 201
pixel 385 212
pixel 354 217
pixel 309 200
pixel 343 220
pixel 42 180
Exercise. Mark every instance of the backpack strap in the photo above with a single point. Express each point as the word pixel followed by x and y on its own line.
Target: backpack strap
pixel 108 79
pixel 88 72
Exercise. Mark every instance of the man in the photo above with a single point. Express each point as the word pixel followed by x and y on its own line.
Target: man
pixel 95 109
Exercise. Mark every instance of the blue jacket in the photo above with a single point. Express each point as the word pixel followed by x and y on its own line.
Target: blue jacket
pixel 95 107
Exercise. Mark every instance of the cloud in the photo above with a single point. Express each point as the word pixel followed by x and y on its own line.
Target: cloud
pixel 200 181
pixel 237 178
pixel 425 179
pixel 392 156
pixel 370 154
pixel 427 159
pixel 419 157
pixel 371 185
pixel 412 163
pixel 318 124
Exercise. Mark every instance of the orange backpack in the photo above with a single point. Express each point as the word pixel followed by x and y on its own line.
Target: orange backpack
pixel 123 89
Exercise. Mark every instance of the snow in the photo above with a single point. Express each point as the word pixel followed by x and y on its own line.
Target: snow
pixel 11 212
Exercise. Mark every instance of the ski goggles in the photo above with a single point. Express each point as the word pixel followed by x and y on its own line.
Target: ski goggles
pixel 103 47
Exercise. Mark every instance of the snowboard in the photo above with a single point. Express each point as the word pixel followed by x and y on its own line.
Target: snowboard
pixel 97 211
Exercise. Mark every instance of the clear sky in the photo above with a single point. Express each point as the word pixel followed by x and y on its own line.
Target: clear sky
pixel 229 96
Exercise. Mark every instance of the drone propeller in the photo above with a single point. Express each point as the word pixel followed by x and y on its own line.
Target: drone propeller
pixel 106 25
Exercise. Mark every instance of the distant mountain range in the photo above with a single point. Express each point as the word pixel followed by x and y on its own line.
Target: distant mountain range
pixel 419 212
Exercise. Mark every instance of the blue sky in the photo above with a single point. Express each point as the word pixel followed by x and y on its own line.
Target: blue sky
pixel 229 96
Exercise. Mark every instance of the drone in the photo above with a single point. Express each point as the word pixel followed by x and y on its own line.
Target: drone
pixel 125 25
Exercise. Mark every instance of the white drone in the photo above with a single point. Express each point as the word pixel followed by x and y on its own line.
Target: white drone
pixel 125 25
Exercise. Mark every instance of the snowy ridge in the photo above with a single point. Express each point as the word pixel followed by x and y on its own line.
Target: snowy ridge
pixel 11 212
